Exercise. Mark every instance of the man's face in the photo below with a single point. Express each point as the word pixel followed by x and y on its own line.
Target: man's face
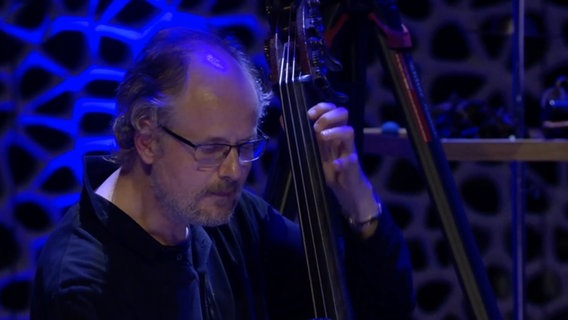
pixel 218 106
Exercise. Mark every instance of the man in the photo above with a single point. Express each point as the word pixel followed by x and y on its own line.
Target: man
pixel 168 231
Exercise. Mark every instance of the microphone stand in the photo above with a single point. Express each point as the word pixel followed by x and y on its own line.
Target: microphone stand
pixel 517 167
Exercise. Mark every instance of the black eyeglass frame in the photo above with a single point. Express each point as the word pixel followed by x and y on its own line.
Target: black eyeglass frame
pixel 262 137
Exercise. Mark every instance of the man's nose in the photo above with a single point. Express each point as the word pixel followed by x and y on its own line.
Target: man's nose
pixel 231 166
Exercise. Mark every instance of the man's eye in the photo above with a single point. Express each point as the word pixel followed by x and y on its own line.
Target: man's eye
pixel 212 148
pixel 248 147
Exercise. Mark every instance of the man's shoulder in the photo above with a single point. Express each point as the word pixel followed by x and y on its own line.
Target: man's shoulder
pixel 67 250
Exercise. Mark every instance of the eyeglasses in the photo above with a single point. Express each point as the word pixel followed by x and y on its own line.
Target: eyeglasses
pixel 212 154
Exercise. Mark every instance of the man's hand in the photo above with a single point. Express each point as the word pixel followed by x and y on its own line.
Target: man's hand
pixel 342 170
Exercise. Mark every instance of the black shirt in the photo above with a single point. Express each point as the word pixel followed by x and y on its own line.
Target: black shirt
pixel 100 264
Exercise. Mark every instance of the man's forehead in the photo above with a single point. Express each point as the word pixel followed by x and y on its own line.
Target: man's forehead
pixel 215 61
pixel 212 56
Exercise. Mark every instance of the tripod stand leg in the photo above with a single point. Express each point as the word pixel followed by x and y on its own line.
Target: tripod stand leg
pixel 394 43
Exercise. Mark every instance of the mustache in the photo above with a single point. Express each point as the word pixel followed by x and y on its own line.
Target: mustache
pixel 225 186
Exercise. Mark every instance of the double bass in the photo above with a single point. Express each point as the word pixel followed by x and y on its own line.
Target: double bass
pixel 299 61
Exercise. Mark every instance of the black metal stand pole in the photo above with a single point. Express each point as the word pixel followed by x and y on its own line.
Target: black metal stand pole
pixel 518 168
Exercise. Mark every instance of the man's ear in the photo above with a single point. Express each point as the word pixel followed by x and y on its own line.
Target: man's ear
pixel 146 141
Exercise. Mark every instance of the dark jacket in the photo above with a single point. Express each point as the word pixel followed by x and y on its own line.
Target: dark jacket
pixel 100 264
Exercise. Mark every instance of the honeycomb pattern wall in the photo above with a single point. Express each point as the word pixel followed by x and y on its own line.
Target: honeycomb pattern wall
pixel 61 60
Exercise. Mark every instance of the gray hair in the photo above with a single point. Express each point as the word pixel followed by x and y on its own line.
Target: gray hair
pixel 159 74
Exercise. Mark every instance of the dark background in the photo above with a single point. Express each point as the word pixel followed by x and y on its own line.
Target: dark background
pixel 61 60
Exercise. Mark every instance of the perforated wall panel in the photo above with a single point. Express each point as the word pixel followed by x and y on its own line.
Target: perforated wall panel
pixel 61 60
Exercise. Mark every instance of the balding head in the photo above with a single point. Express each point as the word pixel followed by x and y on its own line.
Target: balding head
pixel 162 72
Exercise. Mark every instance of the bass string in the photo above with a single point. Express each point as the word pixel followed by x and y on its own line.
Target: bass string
pixel 308 179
